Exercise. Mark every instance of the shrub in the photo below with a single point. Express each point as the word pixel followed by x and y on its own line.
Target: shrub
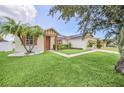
pixel 61 46
pixel 99 44
pixel 54 46
pixel 69 45
pixel 91 43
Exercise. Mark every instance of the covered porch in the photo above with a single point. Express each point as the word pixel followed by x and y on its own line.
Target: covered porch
pixel 50 39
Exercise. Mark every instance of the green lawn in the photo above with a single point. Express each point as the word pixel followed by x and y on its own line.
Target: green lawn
pixel 110 48
pixel 48 69
pixel 71 51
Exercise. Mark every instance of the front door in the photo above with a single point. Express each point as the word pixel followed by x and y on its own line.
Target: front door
pixel 48 42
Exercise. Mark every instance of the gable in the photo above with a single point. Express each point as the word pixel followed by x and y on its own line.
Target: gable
pixel 51 32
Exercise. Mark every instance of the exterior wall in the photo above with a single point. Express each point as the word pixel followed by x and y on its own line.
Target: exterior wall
pixel 52 42
pixel 104 44
pixel 38 47
pixel 64 41
pixel 78 43
pixel 6 46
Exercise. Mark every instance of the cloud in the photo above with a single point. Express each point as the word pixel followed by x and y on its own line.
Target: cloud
pixel 19 13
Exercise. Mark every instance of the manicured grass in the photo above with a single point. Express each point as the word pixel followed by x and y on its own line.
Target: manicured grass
pixel 110 48
pixel 71 51
pixel 48 69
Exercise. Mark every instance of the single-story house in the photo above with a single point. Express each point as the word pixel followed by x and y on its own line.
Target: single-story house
pixel 103 43
pixel 77 41
pixel 6 45
pixel 111 43
pixel 43 43
pixel 51 39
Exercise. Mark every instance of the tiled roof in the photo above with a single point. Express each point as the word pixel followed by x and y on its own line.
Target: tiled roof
pixel 72 36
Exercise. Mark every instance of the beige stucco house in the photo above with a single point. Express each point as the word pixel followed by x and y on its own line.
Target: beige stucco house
pixel 43 43
pixel 50 40
pixel 77 41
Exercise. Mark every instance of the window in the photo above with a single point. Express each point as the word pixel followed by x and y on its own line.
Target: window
pixel 60 41
pixel 29 40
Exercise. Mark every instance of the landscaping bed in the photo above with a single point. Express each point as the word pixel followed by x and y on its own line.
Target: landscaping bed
pixel 71 51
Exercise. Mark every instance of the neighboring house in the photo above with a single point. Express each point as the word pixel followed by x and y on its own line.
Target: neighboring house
pixel 6 45
pixel 107 43
pixel 104 43
pixel 112 43
pixel 77 41
pixel 43 43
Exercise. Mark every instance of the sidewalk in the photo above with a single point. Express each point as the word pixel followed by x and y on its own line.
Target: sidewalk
pixel 78 54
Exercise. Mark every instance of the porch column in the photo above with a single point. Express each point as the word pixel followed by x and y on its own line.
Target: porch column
pixel 44 43
pixel 56 38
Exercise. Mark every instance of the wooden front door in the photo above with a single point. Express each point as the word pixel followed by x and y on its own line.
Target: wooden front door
pixel 47 42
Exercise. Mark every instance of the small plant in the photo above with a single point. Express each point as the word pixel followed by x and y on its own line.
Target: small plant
pixel 62 46
pixel 99 44
pixel 69 45
pixel 91 43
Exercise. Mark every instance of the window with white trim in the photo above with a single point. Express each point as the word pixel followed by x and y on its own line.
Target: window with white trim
pixel 29 40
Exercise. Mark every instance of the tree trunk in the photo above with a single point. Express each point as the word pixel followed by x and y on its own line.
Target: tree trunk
pixel 32 48
pixel 119 67
pixel 23 44
pixel 34 43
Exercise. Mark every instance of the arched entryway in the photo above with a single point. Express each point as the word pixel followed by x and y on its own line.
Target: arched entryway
pixel 50 39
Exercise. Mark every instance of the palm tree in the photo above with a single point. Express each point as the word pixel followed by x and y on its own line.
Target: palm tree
pixel 20 30
pixel 35 32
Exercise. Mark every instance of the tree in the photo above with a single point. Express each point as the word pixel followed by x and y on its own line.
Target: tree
pixel 1 38
pixel 94 18
pixel 9 26
pixel 111 43
pixel 99 43
pixel 92 43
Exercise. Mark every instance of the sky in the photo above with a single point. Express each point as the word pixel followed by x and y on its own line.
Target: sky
pixel 45 21
pixel 38 15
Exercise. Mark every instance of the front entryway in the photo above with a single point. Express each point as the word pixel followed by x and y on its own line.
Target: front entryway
pixel 50 39
pixel 48 42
